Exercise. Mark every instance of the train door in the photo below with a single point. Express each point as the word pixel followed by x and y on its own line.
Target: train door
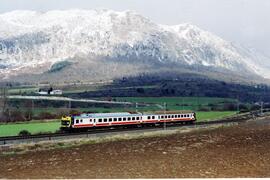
pixel 94 122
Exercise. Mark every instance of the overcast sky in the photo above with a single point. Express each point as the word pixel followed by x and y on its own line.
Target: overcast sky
pixel 243 21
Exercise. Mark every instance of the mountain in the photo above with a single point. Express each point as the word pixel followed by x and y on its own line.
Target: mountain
pixel 103 44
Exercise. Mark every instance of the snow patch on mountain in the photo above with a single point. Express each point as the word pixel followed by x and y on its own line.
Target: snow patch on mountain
pixel 30 39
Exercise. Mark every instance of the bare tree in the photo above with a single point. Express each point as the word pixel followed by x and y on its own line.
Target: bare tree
pixel 4 104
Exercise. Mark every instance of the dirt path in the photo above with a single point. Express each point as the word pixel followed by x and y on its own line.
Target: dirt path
pixel 240 151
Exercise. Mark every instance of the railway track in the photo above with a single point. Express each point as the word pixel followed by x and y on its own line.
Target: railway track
pixel 107 132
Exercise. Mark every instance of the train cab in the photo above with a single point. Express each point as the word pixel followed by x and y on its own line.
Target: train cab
pixel 66 122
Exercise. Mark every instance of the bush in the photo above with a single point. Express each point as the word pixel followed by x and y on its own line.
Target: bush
pixel 74 111
pixel 203 109
pixel 16 115
pixel 28 115
pixel 46 115
pixel 24 133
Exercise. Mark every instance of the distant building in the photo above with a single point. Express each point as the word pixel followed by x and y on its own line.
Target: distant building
pixel 50 91
pixel 56 92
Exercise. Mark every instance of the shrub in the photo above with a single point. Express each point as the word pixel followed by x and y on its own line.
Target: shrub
pixel 16 115
pixel 46 115
pixel 28 115
pixel 24 133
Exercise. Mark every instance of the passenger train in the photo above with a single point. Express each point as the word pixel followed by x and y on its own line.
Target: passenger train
pixel 96 120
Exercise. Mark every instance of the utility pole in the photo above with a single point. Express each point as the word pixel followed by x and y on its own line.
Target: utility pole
pixel 69 105
pixel 164 108
pixel 261 107
pixel 238 109
pixel 136 106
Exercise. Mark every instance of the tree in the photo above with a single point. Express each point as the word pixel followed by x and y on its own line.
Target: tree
pixel 4 104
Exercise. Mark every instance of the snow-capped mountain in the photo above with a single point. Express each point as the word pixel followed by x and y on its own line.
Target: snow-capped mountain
pixel 35 42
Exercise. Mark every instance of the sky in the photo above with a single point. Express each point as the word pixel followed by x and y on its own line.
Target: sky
pixel 245 22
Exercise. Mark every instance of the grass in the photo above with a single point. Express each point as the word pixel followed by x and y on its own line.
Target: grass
pixel 32 127
pixel 213 115
pixel 22 90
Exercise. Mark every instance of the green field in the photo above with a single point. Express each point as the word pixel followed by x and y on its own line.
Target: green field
pixel 32 127
pixel 51 126
pixel 179 103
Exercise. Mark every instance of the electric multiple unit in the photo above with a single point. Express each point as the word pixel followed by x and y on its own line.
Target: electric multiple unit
pixel 94 120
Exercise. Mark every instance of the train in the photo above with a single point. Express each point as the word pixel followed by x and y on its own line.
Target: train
pixel 86 121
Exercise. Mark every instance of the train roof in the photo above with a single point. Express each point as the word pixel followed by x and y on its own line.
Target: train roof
pixel 120 114
pixel 98 115
pixel 170 112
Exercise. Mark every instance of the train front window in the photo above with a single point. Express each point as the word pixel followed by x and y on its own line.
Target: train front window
pixel 65 123
pixel 77 121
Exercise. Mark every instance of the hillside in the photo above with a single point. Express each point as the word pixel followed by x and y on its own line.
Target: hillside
pixel 75 45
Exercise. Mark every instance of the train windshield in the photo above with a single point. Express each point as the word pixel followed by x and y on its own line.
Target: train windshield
pixel 66 121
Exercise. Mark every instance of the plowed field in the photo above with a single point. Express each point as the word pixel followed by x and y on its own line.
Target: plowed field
pixel 236 151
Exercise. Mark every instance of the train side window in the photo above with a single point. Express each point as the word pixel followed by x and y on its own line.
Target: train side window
pixel 90 120
pixel 77 121
pixel 179 115
pixel 133 118
pixel 169 116
pixel 162 117
pixel 114 119
pixel 172 116
pixel 81 120
pixel 185 115
pixel 149 117
pixel 165 117
pixel 137 118
pixel 119 119
pixel 153 117
pixel 105 120
pixel 129 118
pixel 99 120
pixel 124 119
pixel 110 119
